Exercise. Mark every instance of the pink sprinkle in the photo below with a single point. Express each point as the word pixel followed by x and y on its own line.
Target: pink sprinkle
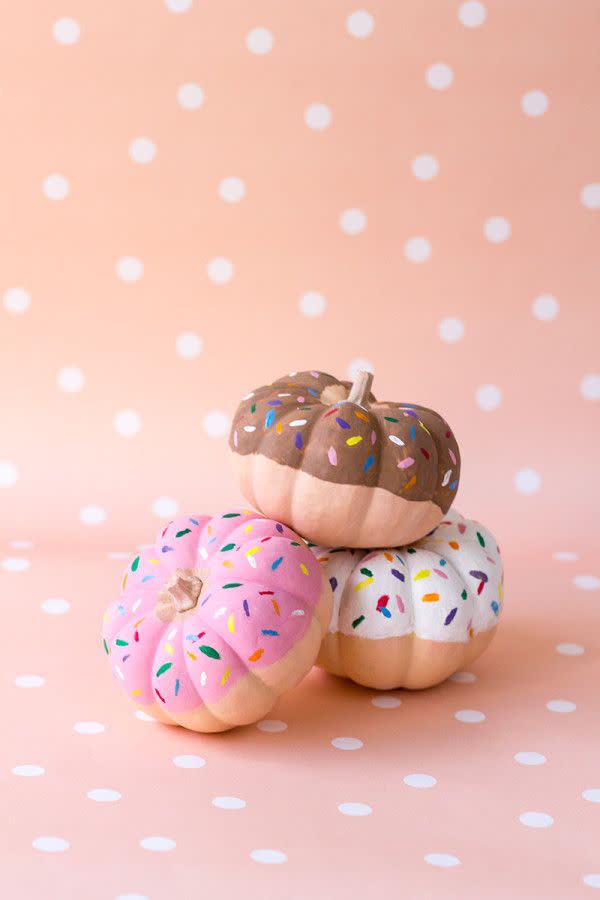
pixel 235 438
pixel 332 456
pixel 300 399
pixel 452 456
pixel 315 374
pixel 405 463
pixel 373 437
pixel 400 602
pixel 440 573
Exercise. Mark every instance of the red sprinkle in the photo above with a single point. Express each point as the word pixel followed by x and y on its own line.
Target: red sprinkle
pixel 424 452
pixel 160 695
pixel 136 636
pixel 383 601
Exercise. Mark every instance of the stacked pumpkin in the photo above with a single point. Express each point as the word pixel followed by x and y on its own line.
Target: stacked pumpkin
pixel 356 561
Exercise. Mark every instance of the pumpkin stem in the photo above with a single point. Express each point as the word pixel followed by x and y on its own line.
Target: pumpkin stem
pixel 183 590
pixel 361 387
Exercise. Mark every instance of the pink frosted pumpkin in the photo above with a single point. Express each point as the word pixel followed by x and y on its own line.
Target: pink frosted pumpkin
pixel 217 620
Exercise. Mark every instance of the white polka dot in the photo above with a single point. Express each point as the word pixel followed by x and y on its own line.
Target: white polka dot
pixel 565 556
pixel 189 761
pixel 527 481
pixel 9 474
pixel 561 706
pixel 104 795
pixel 425 167
pixel 590 387
pixel 347 743
pixel 353 221
pixel 488 397
pixel 268 856
pixel 16 300
pixel 472 14
pixel 216 423
pixel 66 31
pixel 29 681
pixel 463 677
pixel 469 715
pixel 592 880
pixel 355 809
pixel 92 515
pixel 587 582
pixel 417 780
pixel 178 6
pixel 442 860
pixel 591 794
pixel 220 270
pixel 530 758
pixel 312 304
pixel 142 150
pixel 50 844
pixel 451 330
pixel 55 186
pixel 272 726
pixel 534 103
pixel 165 507
pixel 28 771
pixel 417 249
pixel 15 564
pixel 497 229
pixel 259 41
pixel 229 803
pixel 232 189
pixel 590 195
pixel 70 379
pixel 129 269
pixel 190 95
pixel 158 844
pixel 386 701
pixel 189 345
pixel 536 819
pixel 439 76
pixel 317 116
pixel 357 365
pixel 127 422
pixel 545 307
pixel 88 727
pixel 360 24
pixel 21 545
pixel 56 606
pixel 141 715
pixel 570 649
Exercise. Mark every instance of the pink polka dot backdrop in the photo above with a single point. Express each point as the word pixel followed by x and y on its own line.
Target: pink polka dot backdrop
pixel 198 198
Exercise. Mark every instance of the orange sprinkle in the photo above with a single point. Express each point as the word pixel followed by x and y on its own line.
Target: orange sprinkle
pixel 228 564
pixel 278 428
pixel 139 622
pixel 360 415
pixel 256 655
pixel 275 606
pixel 389 556
pixel 430 598
pixel 453 544
pixel 410 484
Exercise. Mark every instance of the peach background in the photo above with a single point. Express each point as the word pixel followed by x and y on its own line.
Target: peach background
pixel 509 214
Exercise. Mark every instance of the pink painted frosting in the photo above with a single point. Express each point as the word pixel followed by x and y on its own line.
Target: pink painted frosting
pixel 261 585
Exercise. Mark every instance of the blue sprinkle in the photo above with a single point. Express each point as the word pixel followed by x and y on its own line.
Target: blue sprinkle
pixel 442 562
pixel 269 418
pixel 412 432
pixel 212 539
pixel 334 583
pixel 495 607
pixel 454 485
pixel 369 462
pixel 398 574
pixel 310 391
pixel 147 578
pixel 176 686
pixel 270 631
pixel 194 521
pixel 121 609
pixel 277 563
pixel 298 440
pixel 191 637
pixel 385 611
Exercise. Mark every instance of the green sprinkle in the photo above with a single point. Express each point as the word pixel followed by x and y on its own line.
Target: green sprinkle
pixel 181 533
pixel 121 643
pixel 253 408
pixel 232 584
pixel 411 550
pixel 463 596
pixel 295 544
pixel 209 651
pixel 105 645
pixel 357 622
pixel 480 539
pixel 135 564
pixel 390 419
pixel 164 668
pixel 227 547
pixel 366 572
pixel 230 515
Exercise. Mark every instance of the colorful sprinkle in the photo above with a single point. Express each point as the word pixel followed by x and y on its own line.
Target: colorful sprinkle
pixel 406 463
pixel 360 415
pixel 176 686
pixel 332 456
pixel 368 462
pixel 270 632
pixel 227 547
pixel 495 607
pixel 303 569
pixel 424 452
pixel 277 563
pixel 159 695
pixel 121 643
pixel 480 539
pixel 297 423
pixel 430 598
pixel 231 624
pixel 342 422
pixel 254 657
pixel 232 584
pixel 210 651
pixel 333 582
pixel 358 621
pixel 410 484
pixel 396 440
pixel 162 669
pixel 424 573
pixel 298 441
pixel 269 418
pixel 352 441
pixel 450 615
pixel 246 607
pixel 135 564
pixel 225 677
pixel 275 606
pixel 185 531
pixel 397 574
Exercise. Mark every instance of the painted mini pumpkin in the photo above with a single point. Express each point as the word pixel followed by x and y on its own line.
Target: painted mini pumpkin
pixel 412 616
pixel 338 466
pixel 217 620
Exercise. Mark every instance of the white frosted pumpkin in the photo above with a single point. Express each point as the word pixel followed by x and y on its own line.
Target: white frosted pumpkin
pixel 411 616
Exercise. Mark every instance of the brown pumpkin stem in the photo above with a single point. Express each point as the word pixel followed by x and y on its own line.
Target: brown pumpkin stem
pixel 361 387
pixel 183 590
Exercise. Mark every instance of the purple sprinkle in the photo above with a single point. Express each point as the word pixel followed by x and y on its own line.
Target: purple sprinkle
pixel 398 574
pixel 194 521
pixel 206 599
pixel 334 583
pixel 481 575
pixel 450 615
pixel 410 413
pixel 274 402
pixel 298 440
pixel 341 422
pixel 246 607
pixel 166 549
pixel 127 655
pixel 279 527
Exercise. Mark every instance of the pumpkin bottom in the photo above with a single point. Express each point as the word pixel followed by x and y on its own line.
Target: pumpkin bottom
pixel 254 695
pixel 398 662
pixel 329 514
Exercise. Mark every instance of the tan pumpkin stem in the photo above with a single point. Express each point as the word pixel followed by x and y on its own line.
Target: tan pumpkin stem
pixel 183 590
pixel 361 387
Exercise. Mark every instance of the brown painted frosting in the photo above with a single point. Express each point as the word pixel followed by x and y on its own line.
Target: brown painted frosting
pixel 306 421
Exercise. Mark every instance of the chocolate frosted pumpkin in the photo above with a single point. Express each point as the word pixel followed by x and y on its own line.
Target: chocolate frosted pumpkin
pixel 340 467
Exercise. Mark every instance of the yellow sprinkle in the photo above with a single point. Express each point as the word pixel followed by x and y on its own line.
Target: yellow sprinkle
pixel 137 692
pixel 154 562
pixel 424 428
pixel 248 512
pixel 124 581
pixel 360 415
pixel 253 550
pixel 226 675
pixel 248 529
pixel 424 573
pixel 228 564
pixel 499 591
pixel 354 440
pixel 230 624
pixel 303 569
pixel 191 655
pixel 275 606
pixel 210 530
pixel 362 584
pixel 139 622
pixel 169 648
